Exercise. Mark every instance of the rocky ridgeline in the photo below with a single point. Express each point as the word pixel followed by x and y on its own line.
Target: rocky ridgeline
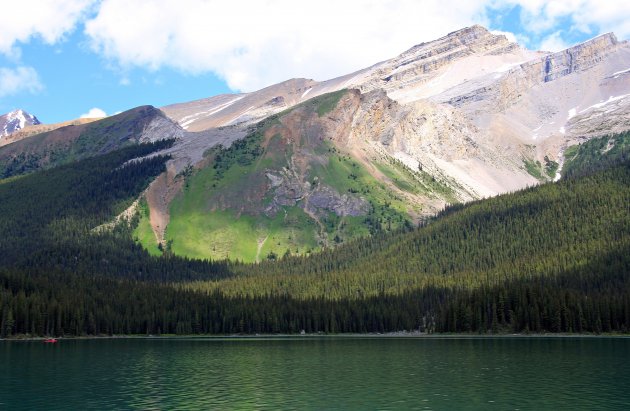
pixel 460 43
pixel 580 57
pixel 554 66
pixel 505 91
pixel 418 64
pixel 159 127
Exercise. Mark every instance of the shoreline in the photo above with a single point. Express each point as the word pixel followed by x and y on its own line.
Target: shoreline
pixel 394 335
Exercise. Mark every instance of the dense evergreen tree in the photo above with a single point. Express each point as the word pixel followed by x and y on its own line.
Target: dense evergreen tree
pixel 553 258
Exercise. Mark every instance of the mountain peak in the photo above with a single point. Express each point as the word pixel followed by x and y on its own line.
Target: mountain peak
pixel 474 34
pixel 16 120
pixel 469 40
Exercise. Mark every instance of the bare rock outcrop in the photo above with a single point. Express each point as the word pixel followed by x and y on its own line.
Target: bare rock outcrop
pixel 580 57
pixel 438 139
pixel 160 128
pixel 326 198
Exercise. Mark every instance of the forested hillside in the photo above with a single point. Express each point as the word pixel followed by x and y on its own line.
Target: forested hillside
pixel 551 258
pixel 49 218
pixel 76 142
pixel 597 154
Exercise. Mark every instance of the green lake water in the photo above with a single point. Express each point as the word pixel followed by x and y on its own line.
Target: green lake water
pixel 342 373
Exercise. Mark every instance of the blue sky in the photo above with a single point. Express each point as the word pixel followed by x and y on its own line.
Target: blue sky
pixel 61 58
pixel 75 80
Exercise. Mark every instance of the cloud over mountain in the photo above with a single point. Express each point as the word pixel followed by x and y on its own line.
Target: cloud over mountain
pixel 94 112
pixel 254 44
pixel 251 47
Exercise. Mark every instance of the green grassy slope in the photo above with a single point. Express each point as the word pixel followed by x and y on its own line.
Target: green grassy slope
pixel 541 232
pixel 232 209
pixel 143 233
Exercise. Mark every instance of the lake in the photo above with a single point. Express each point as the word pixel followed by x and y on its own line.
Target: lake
pixel 342 373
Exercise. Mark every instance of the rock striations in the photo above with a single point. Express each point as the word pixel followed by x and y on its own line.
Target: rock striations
pixel 577 58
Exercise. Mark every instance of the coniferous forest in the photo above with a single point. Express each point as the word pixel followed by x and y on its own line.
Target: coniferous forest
pixel 551 258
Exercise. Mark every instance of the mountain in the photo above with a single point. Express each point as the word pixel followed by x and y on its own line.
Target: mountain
pixel 464 117
pixel 15 121
pixel 41 128
pixel 471 52
pixel 374 202
pixel 529 105
pixel 313 176
pixel 470 69
pixel 79 140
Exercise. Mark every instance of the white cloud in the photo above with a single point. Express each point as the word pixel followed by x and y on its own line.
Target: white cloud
pixel 254 44
pixel 554 42
pixel 94 112
pixel 46 19
pixel 585 16
pixel 19 79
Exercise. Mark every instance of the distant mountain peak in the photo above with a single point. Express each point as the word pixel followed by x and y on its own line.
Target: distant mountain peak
pixel 16 120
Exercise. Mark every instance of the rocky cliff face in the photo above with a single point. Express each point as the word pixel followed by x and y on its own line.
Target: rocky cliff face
pixel 438 140
pixel 580 57
pixel 574 60
pixel 159 127
pixel 537 108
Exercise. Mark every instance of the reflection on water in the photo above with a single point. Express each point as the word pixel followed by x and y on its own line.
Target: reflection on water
pixel 317 373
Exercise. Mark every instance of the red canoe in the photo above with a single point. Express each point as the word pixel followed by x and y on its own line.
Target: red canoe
pixel 50 340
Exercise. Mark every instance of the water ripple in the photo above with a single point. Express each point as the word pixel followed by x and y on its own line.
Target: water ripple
pixel 317 373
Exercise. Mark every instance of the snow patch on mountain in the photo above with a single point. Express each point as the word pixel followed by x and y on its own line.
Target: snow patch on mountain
pixel 16 120
pixel 601 104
